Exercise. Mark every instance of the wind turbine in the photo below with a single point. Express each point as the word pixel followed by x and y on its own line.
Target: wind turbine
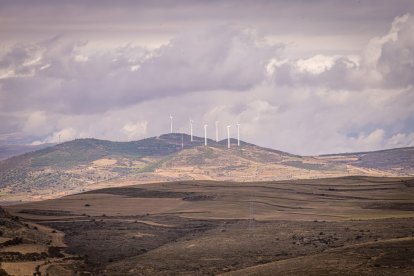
pixel 238 134
pixel 217 131
pixel 191 129
pixel 171 126
pixel 182 141
pixel 205 135
pixel 228 136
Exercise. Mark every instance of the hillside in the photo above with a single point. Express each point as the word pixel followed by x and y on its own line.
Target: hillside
pixel 86 164
pixel 27 248
pixel 399 159
pixel 82 151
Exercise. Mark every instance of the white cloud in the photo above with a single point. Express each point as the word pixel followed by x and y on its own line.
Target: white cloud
pixel 273 63
pixel 401 140
pixel 37 123
pixel 313 104
pixel 316 64
pixel 135 130
pixel 62 135
pixel 370 141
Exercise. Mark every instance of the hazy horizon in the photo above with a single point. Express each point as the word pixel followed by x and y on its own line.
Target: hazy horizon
pixel 305 77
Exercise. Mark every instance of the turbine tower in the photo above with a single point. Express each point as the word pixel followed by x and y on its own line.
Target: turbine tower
pixel 238 134
pixel 205 135
pixel 217 131
pixel 191 129
pixel 228 137
pixel 182 141
pixel 171 126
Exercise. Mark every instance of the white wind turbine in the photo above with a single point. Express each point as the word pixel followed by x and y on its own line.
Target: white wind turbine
pixel 228 136
pixel 191 129
pixel 171 125
pixel 217 131
pixel 238 134
pixel 205 135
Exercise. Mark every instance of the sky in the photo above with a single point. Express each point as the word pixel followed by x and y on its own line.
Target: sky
pixel 302 76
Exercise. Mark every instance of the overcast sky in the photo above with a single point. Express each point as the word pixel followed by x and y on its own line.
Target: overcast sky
pixel 303 76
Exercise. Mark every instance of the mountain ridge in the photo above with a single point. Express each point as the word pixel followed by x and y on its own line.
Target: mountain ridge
pixel 197 141
pixel 365 152
pixel 84 164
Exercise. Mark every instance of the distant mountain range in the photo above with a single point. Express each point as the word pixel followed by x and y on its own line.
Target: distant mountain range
pixel 85 164
pixel 7 151
pixel 397 160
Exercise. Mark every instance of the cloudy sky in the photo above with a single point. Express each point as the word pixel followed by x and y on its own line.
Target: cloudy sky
pixel 303 76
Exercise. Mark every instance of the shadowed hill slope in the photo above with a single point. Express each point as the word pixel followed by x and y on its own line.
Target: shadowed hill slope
pixel 399 159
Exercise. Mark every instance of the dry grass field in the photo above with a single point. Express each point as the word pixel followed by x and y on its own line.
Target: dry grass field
pixel 351 225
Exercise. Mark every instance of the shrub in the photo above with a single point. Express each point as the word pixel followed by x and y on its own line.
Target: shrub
pixel 14 241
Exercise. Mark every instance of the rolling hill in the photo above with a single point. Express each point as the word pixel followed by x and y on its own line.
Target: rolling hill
pixel 342 226
pixel 399 159
pixel 86 164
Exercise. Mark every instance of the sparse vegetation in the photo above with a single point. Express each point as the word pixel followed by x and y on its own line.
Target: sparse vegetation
pixel 209 225
pixel 14 241
pixel 213 226
pixel 71 166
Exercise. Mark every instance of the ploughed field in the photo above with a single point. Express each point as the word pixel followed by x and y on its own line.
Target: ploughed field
pixel 351 225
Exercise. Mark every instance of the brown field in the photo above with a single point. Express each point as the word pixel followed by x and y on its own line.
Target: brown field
pixel 352 225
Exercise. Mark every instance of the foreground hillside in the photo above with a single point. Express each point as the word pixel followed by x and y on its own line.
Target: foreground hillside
pixel 351 226
pixel 87 164
pixel 27 248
